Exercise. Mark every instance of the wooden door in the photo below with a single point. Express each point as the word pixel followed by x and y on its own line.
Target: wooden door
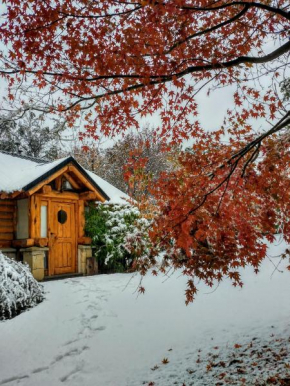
pixel 62 238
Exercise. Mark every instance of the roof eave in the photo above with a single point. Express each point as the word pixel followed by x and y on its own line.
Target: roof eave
pixel 55 169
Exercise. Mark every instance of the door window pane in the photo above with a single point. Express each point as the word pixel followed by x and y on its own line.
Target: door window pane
pixel 61 216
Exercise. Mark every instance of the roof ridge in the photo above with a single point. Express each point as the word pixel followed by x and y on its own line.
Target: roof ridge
pixel 27 157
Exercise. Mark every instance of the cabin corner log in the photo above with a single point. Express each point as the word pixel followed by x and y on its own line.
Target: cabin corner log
pixel 41 242
pixel 5 195
pixel 16 194
pixel 5 243
pixel 25 243
pixel 46 189
pixel 88 196
pixel 84 240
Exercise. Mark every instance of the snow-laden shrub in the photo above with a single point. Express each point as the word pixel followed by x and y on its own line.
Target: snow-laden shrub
pixel 18 288
pixel 119 234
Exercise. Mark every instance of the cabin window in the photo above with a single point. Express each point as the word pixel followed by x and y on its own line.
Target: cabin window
pixel 61 216
pixel 43 220
pixel 66 185
pixel 22 219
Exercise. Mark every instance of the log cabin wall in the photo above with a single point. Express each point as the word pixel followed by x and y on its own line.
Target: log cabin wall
pixel 7 222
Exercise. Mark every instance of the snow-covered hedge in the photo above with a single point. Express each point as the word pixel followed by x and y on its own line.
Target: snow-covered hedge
pixel 18 288
pixel 119 234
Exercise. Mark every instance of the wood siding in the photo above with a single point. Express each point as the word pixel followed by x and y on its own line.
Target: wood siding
pixel 7 222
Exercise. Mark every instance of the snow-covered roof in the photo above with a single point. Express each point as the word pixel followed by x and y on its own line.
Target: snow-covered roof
pixel 116 195
pixel 20 173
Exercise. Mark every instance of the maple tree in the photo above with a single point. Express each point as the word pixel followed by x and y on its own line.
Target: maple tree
pixel 112 61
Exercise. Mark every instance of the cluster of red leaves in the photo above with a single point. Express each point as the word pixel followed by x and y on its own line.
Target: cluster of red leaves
pixel 213 220
pixel 117 59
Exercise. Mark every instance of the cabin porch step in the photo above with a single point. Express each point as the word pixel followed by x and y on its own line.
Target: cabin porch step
pixel 64 276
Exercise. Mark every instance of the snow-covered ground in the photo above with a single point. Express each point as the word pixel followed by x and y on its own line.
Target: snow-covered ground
pixel 95 331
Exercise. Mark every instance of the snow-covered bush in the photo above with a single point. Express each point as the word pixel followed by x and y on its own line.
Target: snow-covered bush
pixel 18 288
pixel 119 234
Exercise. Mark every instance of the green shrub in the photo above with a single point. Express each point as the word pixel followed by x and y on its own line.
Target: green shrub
pixel 119 235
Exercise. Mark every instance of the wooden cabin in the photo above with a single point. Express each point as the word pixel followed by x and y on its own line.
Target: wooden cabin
pixel 42 213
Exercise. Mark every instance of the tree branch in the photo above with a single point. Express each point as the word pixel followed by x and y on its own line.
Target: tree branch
pixel 251 4
pixel 168 77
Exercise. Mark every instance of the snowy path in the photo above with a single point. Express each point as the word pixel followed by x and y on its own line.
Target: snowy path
pixel 94 331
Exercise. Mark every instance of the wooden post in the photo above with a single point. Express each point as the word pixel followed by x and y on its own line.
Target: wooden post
pixel 81 215
pixel 33 217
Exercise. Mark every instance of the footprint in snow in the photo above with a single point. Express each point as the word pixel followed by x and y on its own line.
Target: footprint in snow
pixel 76 370
pixel 12 379
pixel 40 370
pixel 94 306
pixel 70 353
pixel 82 302
pixel 70 342
pixel 101 328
